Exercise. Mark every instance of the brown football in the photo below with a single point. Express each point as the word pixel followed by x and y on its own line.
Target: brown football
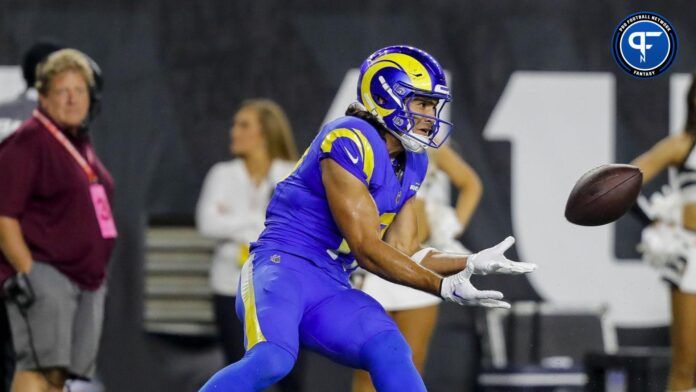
pixel 603 194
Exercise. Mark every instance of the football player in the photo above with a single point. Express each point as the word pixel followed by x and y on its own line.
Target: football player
pixel 349 202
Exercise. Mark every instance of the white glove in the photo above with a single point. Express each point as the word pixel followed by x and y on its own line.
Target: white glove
pixel 492 260
pixel 457 288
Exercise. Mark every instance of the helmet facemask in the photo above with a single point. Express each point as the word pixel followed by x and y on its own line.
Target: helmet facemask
pixel 402 122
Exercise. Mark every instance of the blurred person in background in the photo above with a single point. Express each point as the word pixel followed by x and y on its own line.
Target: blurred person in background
pixel 232 206
pixel 669 243
pixel 56 229
pixel 439 226
pixel 12 114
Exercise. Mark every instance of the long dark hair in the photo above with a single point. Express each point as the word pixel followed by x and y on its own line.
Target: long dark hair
pixel 360 112
pixel 690 126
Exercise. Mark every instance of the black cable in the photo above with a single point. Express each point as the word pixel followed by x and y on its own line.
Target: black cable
pixel 35 357
pixel 18 290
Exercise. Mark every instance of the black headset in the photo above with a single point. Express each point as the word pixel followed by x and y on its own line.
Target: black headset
pixel 95 90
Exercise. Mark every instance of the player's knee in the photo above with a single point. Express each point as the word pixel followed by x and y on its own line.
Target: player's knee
pixel 274 361
pixel 389 346
pixel 387 356
pixel 262 366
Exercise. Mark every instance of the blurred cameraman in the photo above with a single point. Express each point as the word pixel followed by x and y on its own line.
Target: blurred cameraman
pixel 14 112
pixel 56 229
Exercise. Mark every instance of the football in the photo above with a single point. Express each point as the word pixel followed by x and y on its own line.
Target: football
pixel 603 194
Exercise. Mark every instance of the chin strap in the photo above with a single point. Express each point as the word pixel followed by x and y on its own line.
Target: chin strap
pixel 410 145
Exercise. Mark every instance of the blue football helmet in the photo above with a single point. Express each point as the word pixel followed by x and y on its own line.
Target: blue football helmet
pixel 390 79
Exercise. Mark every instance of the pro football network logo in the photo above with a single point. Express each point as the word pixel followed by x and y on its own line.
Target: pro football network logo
pixel 644 44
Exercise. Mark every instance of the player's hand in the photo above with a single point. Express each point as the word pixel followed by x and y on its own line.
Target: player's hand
pixel 457 288
pixel 493 261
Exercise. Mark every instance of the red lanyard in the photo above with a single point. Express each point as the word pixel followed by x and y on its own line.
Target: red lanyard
pixel 91 176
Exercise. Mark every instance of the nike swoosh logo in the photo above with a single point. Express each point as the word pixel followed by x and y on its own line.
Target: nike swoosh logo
pixel 351 157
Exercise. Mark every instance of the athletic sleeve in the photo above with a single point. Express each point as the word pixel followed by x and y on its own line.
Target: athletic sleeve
pixel 350 149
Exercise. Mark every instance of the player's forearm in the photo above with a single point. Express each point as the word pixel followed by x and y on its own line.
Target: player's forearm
pixel 13 245
pixel 444 264
pixel 386 262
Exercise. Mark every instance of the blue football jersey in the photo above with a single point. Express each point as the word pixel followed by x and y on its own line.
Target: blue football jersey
pixel 298 219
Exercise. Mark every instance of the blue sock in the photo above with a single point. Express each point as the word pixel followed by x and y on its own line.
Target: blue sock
pixel 262 366
pixel 388 358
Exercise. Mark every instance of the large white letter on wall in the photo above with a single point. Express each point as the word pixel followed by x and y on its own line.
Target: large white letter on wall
pixel 561 125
